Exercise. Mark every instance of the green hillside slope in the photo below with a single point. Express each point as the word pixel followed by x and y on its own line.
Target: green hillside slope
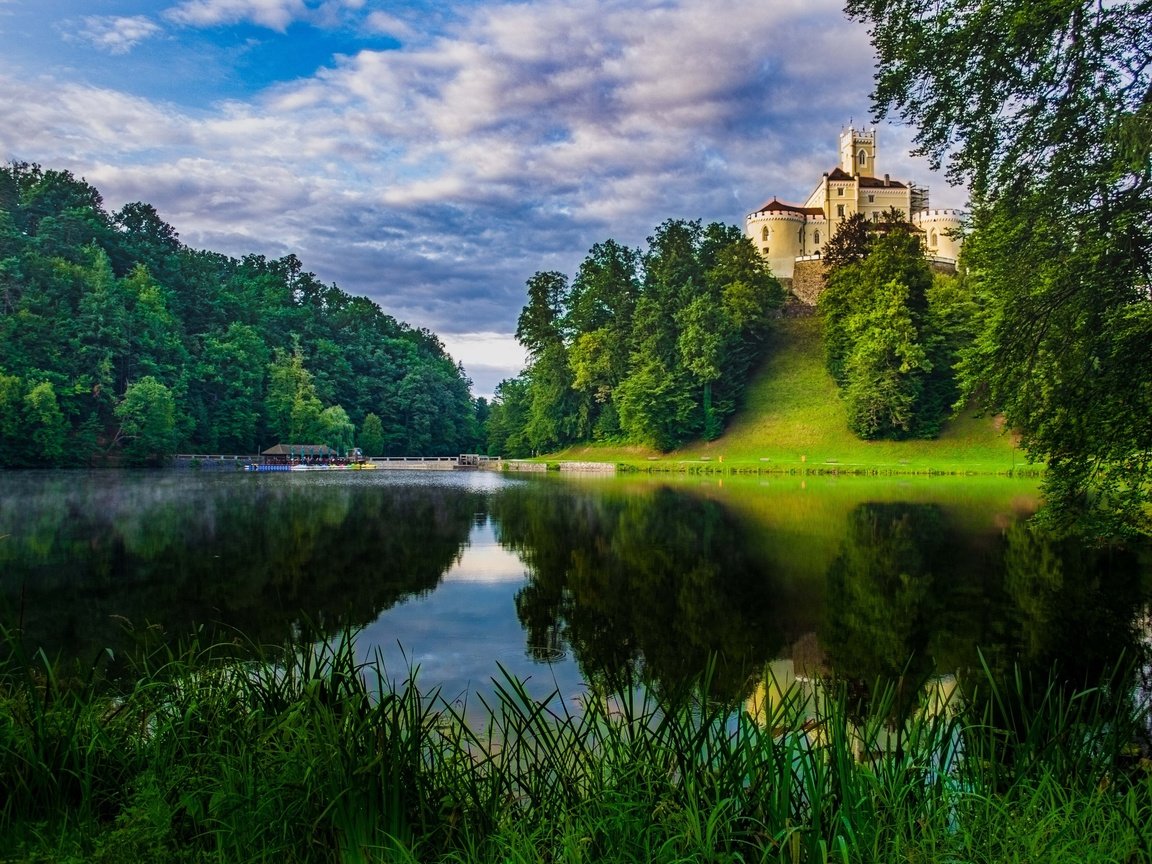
pixel 794 419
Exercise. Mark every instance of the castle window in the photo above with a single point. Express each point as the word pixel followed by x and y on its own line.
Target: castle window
pixel 863 157
pixel 764 233
pixel 839 209
pixel 840 191
pixel 816 239
pixel 765 250
pixel 871 199
pixel 932 239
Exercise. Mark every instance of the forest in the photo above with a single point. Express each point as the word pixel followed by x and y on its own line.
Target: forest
pixel 649 346
pixel 656 347
pixel 121 345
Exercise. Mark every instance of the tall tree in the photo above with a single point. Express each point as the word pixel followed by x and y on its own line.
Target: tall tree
pixel 372 436
pixel 878 342
pixel 1046 110
pixel 293 406
pixel 600 311
pixel 228 389
pixel 148 426
pixel 44 425
pixel 551 421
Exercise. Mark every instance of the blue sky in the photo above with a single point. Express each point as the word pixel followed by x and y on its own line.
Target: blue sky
pixel 434 155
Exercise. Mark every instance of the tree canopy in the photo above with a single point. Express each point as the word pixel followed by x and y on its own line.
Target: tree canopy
pixel 1045 109
pixel 119 342
pixel 646 346
pixel 890 330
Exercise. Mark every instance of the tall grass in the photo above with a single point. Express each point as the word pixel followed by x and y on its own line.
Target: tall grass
pixel 307 754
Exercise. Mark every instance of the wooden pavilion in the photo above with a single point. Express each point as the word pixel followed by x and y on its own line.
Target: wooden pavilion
pixel 298 454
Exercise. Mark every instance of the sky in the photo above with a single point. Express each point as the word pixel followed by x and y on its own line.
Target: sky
pixel 433 156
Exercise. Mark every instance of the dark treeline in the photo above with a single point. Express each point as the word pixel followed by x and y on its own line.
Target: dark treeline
pixel 95 561
pixel 119 342
pixel 645 346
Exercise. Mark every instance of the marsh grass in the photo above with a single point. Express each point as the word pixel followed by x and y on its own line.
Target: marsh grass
pixel 226 753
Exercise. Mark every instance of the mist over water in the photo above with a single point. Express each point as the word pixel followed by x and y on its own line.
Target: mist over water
pixel 565 582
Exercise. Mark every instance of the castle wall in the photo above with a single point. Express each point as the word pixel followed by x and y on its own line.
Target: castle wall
pixel 883 199
pixel 808 281
pixel 817 233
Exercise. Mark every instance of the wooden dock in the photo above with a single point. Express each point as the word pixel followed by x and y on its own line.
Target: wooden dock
pixel 465 462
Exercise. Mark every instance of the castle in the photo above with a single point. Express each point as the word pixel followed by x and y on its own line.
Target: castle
pixel 789 235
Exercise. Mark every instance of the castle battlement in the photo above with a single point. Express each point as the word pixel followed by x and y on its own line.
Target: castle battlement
pixel 926 214
pixel 785 233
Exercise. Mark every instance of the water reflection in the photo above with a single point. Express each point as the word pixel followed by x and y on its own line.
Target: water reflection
pixel 651 583
pixel 572 582
pixel 88 555
pixel 909 593
pixel 655 581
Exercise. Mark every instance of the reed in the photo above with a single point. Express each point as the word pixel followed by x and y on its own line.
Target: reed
pixel 304 753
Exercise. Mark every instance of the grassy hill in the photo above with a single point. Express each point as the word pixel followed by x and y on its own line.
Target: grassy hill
pixel 793 419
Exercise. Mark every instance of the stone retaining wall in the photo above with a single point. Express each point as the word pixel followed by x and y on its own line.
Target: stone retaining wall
pixel 808 281
pixel 589 467
pixel 528 467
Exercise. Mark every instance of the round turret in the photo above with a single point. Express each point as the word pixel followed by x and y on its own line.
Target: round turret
pixel 943 232
pixel 778 232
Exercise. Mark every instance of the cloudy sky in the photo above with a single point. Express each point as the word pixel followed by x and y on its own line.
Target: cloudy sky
pixel 434 155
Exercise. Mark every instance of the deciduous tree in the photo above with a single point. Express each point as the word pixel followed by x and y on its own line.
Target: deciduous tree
pixel 1045 109
pixel 147 416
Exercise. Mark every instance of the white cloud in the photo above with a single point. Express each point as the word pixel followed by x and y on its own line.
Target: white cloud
pixel 389 25
pixel 273 14
pixel 436 178
pixel 114 34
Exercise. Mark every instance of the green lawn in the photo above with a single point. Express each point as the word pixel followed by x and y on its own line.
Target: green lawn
pixel 793 419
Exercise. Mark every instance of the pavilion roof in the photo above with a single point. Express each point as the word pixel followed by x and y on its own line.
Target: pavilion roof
pixel 299 450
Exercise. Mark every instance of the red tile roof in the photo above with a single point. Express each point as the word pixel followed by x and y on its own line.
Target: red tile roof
pixel 876 182
pixel 866 182
pixel 777 206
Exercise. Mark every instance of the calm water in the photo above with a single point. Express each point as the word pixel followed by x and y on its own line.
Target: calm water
pixel 562 581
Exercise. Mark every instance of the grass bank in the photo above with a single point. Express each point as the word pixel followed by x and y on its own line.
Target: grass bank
pixel 302 755
pixel 794 420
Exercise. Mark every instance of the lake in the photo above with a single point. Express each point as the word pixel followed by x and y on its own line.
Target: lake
pixel 562 581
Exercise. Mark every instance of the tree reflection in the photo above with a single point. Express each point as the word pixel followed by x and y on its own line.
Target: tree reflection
pixel 1074 604
pixel 87 554
pixel 910 595
pixel 651 584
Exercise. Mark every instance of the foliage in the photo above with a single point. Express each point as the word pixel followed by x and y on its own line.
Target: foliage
pixel 147 416
pixel 849 245
pixel 372 436
pixel 890 340
pixel 652 347
pixel 307 754
pixel 1045 109
pixel 882 384
pixel 250 350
